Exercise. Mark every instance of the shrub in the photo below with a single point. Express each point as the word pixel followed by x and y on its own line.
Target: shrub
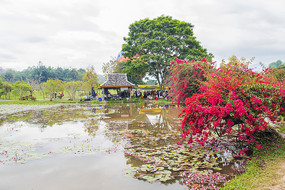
pixel 233 101
pixel 30 97
pixel 186 77
pixel 60 95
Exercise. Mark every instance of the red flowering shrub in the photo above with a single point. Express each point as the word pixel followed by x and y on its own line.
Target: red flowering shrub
pixel 186 77
pixel 30 97
pixel 233 101
pixel 60 95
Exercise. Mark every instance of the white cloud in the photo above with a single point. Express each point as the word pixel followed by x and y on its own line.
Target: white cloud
pixel 71 33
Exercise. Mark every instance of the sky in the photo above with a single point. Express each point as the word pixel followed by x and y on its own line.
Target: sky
pixel 80 34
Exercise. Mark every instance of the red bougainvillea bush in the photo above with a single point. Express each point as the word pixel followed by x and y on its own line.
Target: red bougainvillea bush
pixel 186 77
pixel 234 101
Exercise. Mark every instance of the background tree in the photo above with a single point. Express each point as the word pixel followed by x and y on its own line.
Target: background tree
pixel 1 87
pixel 71 87
pixel 9 75
pixel 42 73
pixel 91 78
pixel 7 89
pixel 275 64
pixel 35 84
pixel 73 75
pixel 112 66
pixel 280 74
pixel 21 88
pixel 85 87
pixel 157 42
pixel 53 86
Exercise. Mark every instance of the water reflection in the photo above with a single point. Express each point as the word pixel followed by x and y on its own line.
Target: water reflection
pixel 131 135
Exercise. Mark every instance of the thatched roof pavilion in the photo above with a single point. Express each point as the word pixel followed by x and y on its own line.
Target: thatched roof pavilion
pixel 118 81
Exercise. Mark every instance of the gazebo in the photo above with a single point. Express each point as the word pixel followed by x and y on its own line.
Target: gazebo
pixel 117 81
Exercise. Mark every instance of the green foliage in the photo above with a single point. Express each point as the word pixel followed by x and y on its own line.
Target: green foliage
pixel 21 88
pixel 71 87
pixel 280 73
pixel 157 42
pixel 7 89
pixel 135 70
pixel 9 75
pixel 42 73
pixel 91 78
pixel 1 87
pixel 52 86
pixel 275 64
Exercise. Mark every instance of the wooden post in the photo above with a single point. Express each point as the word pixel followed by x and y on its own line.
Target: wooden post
pixel 103 96
pixel 130 93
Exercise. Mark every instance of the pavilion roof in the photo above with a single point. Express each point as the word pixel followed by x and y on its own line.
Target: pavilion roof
pixel 117 80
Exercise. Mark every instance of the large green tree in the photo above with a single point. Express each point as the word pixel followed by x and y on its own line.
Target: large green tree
pixel 155 43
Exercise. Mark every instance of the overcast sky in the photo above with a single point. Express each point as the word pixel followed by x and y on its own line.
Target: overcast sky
pixel 73 33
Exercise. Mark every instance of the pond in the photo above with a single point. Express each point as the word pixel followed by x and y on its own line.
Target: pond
pixel 122 146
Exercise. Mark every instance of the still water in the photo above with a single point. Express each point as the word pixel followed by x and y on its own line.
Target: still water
pixel 122 146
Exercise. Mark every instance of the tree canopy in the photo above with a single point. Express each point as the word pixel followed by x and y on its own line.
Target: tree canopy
pixel 275 64
pixel 154 43
pixel 42 73
pixel 91 78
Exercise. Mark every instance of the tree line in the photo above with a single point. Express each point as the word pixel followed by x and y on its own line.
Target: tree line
pixel 50 87
pixel 42 73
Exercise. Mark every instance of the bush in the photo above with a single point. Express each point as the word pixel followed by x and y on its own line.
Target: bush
pixel 30 97
pixel 233 101
pixel 186 77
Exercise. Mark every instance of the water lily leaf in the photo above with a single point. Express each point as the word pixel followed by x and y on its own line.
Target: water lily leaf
pixel 166 178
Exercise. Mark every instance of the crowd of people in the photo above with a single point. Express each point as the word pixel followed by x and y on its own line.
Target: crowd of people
pixel 144 94
pixel 152 94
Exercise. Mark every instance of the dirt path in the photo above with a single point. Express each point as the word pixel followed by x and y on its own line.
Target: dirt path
pixel 280 183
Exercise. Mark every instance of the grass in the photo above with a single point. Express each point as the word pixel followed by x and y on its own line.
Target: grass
pixel 263 169
pixel 162 102
pixel 124 100
pixel 38 94
pixel 38 102
pixel 59 101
